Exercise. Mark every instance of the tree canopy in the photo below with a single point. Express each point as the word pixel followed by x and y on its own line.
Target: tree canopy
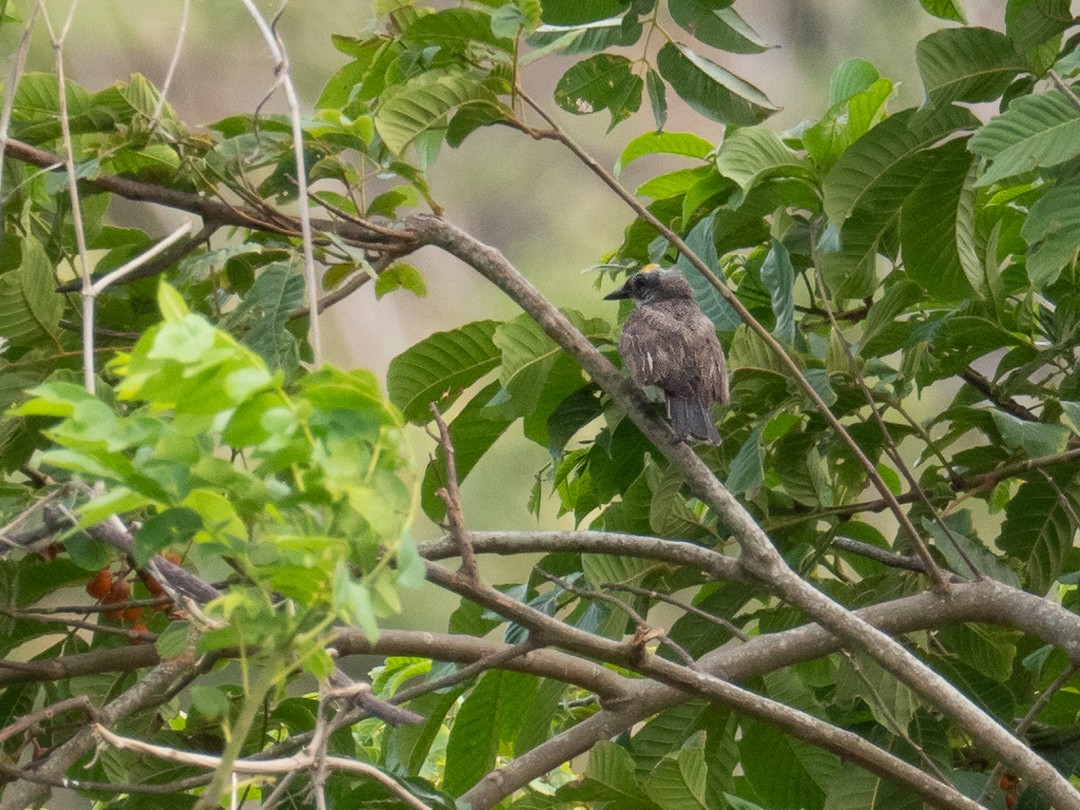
pixel 865 597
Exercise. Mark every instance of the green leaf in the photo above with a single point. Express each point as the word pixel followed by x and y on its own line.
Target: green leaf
pixel 1052 231
pixel 529 355
pixel 172 527
pixel 30 307
pixel 701 241
pixel 778 276
pixel 849 264
pixel 686 144
pixel 852 76
pixel 423 105
pixel 352 602
pixel 747 469
pixel 400 276
pixel 277 293
pixel 710 89
pixel 454 29
pixel 585 38
pixel 945 9
pixel 777 767
pixel 673 184
pixel 1029 23
pixel 882 167
pixel 440 367
pixel 828 138
pixel 749 155
pixel 657 97
pixel 958 542
pixel 1036 131
pixel 678 781
pixel 1038 529
pixel 490 714
pixel 967 64
pixel 937 227
pixel 714 23
pixel 1033 438
pixel 899 295
pixel 577 12
pixel 601 82
pixel 611 765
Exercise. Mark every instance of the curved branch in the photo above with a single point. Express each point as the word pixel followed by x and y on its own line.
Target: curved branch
pixel 758 555
pixel 148 692
pixel 692 681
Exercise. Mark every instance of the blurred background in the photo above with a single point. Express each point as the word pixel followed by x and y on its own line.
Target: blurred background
pixel 532 200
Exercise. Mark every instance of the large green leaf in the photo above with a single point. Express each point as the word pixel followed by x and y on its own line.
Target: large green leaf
pixel 585 38
pixel 601 82
pixel 883 166
pixel 277 293
pixel 1035 439
pixel 857 90
pixel 778 276
pixel 439 367
pixel 716 24
pixel 490 714
pixel 700 240
pixel 578 12
pixel 610 765
pixel 1052 231
pixel 710 89
pixel 785 772
pixel 850 266
pixel 423 105
pixel 1039 130
pixel 529 355
pixel 454 29
pixel 748 155
pixel 1029 23
pixel 686 144
pixel 967 64
pixel 679 780
pixel 1039 529
pixel 30 308
pixel 937 228
pixel 945 9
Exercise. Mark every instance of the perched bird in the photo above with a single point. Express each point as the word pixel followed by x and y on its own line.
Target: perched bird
pixel 669 342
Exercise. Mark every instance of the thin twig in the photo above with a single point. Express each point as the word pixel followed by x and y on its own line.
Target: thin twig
pixel 129 267
pixel 281 69
pixel 300 761
pixel 181 34
pixel 27 721
pixel 643 634
pixel 1064 88
pixel 451 496
pixel 670 600
pixel 1025 723
pixel 916 537
pixel 83 267
pixel 18 64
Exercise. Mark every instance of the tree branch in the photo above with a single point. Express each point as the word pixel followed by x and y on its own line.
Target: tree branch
pixel 758 555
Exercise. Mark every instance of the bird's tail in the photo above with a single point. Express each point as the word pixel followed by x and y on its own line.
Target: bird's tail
pixel 691 419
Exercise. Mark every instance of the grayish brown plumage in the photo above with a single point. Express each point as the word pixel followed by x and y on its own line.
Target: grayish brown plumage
pixel 670 343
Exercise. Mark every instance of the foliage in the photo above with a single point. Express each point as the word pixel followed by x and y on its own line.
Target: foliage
pixel 918 266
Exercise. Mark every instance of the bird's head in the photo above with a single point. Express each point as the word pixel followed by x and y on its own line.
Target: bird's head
pixel 653 284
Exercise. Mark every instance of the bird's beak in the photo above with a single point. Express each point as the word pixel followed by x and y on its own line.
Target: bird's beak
pixel 622 292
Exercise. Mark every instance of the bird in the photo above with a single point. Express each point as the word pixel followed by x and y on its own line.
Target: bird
pixel 667 341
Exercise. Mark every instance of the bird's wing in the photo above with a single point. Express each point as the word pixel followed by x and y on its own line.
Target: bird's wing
pixel 651 346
